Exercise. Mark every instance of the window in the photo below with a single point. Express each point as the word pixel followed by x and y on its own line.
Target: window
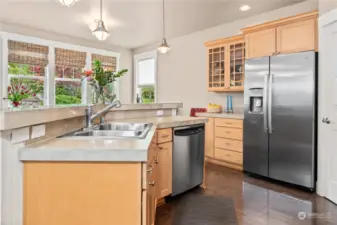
pixel 68 74
pixel 27 63
pixel 146 75
pixel 52 71
pixel 108 63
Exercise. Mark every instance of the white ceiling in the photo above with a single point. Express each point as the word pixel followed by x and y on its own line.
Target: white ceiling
pixel 132 23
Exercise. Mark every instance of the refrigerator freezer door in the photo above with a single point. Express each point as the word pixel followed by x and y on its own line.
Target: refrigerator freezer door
pixel 255 138
pixel 292 139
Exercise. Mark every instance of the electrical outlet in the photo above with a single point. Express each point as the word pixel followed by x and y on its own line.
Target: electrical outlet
pixel 160 112
pixel 38 131
pixel 20 135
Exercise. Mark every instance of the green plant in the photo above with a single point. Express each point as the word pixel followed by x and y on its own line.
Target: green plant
pixel 67 100
pixel 147 94
pixel 100 79
pixel 17 92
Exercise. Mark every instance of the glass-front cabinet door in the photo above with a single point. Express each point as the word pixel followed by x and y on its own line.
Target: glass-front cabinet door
pixel 225 64
pixel 216 68
pixel 237 63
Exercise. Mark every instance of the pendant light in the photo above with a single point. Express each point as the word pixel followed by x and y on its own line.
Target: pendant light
pixel 100 32
pixel 164 47
pixel 67 3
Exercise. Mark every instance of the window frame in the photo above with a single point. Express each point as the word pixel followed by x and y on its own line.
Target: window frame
pixel 140 57
pixel 49 95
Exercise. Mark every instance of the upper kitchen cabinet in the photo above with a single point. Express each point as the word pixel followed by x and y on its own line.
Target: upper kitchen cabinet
pixel 225 64
pixel 261 43
pixel 293 34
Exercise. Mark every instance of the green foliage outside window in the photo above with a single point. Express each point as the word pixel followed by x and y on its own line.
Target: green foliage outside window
pixel 147 94
pixel 66 92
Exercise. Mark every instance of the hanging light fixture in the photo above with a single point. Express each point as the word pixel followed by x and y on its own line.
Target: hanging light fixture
pixel 67 3
pixel 100 32
pixel 164 47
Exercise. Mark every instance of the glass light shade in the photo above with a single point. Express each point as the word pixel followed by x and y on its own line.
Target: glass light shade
pixel 67 3
pixel 100 32
pixel 164 47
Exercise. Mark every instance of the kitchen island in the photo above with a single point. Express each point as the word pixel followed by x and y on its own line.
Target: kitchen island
pixel 99 181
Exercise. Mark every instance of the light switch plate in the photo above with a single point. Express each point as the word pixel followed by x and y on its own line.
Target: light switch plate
pixel 38 131
pixel 20 135
pixel 160 112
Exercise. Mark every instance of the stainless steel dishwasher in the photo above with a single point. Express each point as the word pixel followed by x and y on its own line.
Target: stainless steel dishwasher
pixel 187 157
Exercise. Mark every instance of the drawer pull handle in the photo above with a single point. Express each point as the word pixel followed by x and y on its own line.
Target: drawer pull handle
pixel 152 183
pixel 155 160
pixel 228 132
pixel 165 136
pixel 229 123
pixel 228 143
pixel 150 170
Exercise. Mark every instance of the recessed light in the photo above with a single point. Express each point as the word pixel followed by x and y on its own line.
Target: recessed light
pixel 244 8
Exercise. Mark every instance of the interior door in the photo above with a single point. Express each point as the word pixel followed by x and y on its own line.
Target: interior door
pixel 328 109
pixel 292 118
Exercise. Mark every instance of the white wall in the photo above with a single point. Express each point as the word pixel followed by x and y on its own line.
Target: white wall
pixel 326 5
pixel 182 72
pixel 125 54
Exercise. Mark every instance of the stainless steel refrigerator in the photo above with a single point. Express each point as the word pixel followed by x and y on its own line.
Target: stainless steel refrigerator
pixel 280 118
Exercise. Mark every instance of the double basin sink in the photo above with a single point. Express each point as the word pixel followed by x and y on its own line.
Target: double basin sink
pixel 113 131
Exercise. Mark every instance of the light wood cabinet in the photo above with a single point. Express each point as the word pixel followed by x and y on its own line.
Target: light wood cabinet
pixel 225 64
pixel 293 34
pixel 209 138
pixel 164 165
pixel 224 142
pixel 296 37
pixel 150 195
pixel 261 43
pixel 162 161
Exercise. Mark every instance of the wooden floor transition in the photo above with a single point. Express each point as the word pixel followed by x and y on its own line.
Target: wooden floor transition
pixel 260 202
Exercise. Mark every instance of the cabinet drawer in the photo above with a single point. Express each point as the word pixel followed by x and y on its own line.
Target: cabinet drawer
pixel 220 122
pixel 229 144
pixel 230 133
pixel 228 156
pixel 164 135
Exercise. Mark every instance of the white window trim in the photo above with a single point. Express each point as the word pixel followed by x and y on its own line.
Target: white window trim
pixel 50 74
pixel 140 57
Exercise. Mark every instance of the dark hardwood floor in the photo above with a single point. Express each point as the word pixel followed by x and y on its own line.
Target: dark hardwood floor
pixel 258 201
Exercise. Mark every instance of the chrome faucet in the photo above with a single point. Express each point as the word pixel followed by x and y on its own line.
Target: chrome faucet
pixel 89 117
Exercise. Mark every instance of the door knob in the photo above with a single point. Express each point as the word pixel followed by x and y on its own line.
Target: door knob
pixel 326 120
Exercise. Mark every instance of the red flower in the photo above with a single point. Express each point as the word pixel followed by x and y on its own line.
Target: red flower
pixel 34 95
pixel 88 73
pixel 9 88
pixel 23 87
pixel 16 104
pixel 22 93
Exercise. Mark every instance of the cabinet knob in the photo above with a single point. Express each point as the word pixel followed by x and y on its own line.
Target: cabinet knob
pixel 152 183
pixel 155 160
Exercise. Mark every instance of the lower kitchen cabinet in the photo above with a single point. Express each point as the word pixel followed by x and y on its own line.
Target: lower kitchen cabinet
pixel 224 142
pixel 164 170
pixel 209 138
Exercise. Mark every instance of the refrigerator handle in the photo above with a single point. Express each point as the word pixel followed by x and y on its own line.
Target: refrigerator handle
pixel 265 103
pixel 270 101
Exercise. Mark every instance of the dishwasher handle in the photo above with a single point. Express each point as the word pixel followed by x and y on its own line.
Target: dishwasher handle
pixel 189 131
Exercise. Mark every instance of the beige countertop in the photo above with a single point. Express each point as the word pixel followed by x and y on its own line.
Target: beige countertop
pixel 238 116
pixel 103 150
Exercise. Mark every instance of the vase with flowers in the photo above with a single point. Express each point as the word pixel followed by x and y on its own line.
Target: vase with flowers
pixel 17 92
pixel 101 80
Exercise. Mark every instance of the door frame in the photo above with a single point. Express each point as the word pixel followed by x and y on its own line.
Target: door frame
pixel 322 153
